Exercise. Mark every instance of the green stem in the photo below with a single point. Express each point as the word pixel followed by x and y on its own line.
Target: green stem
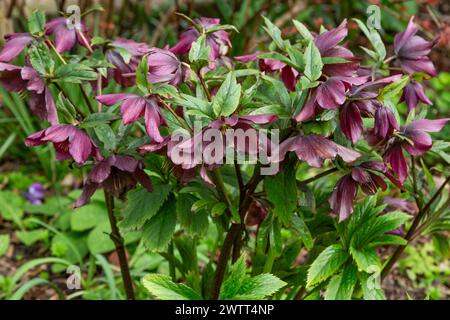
pixel 316 177
pixel 269 260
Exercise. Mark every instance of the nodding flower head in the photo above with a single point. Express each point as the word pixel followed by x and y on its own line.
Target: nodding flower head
pixel 15 43
pixel 413 93
pixel 164 67
pixel 218 41
pixel 116 174
pixel 124 70
pixel 134 107
pixel 66 35
pixel 416 142
pixel 412 51
pixel 69 141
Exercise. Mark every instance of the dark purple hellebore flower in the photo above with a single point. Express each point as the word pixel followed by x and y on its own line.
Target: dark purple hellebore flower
pixel 218 41
pixel 337 77
pixel 116 174
pixel 69 142
pixel 164 148
pixel 67 36
pixel 416 132
pixel 328 45
pixel 35 193
pixel 10 77
pixel 289 75
pixel 15 43
pixel 134 107
pixel 411 51
pixel 363 102
pixel 417 142
pixel 395 204
pixel 314 149
pixel 400 204
pixel 163 67
pixel 413 93
pixel 341 200
pixel 41 101
pixel 367 176
pixel 184 153
pixel 136 49
pixel 385 123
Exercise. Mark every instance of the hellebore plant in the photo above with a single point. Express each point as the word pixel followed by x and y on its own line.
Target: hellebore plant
pixel 301 105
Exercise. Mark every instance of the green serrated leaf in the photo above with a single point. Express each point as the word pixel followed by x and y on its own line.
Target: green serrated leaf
pixel 371 288
pixel 199 52
pixel 259 287
pixel 302 229
pixel 274 32
pixel 143 205
pixel 282 193
pixel 342 285
pixel 326 264
pixel 313 62
pixel 232 284
pixel 192 221
pixel 36 22
pixel 303 30
pixel 366 259
pixel 162 287
pixel 227 98
pixel 142 75
pixel 158 231
pixel 95 119
pixel 106 135
pixel 41 59
pixel 374 38
pixel 75 73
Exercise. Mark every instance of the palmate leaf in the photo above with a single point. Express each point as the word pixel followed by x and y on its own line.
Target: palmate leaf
pixel 326 264
pixel 143 205
pixel 162 287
